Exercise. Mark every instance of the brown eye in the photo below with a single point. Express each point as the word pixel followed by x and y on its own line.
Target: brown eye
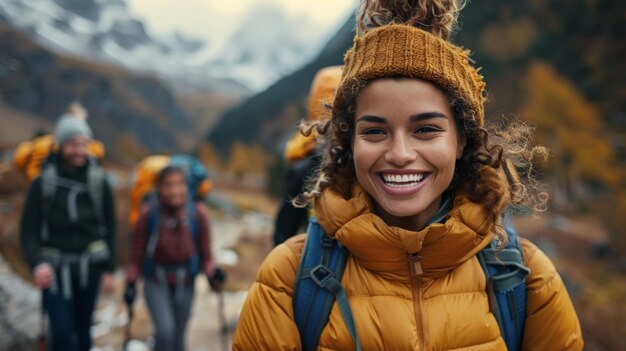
pixel 373 131
pixel 427 129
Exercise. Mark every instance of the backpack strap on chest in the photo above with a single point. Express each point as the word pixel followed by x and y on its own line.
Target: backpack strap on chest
pixel 506 286
pixel 96 177
pixel 48 190
pixel 155 219
pixel 193 222
pixel 154 223
pixel 50 181
pixel 318 285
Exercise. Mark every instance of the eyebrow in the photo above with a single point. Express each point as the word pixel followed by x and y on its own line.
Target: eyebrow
pixel 373 119
pixel 427 115
pixel 413 118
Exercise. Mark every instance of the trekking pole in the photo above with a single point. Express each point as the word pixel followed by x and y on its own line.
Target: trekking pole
pixel 127 331
pixel 41 340
pixel 216 282
pixel 222 318
pixel 129 298
pixel 222 312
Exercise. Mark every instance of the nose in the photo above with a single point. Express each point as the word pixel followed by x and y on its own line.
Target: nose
pixel 400 152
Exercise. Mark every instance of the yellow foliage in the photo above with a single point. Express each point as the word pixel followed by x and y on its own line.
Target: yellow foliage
pixel 246 159
pixel 208 156
pixel 569 124
pixel 509 39
pixel 132 150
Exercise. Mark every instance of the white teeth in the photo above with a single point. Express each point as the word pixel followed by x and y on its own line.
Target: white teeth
pixel 402 180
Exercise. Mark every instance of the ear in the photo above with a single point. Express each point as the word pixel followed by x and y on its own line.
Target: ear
pixel 460 146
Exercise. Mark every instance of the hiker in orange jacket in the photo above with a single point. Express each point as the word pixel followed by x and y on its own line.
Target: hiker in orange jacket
pixel 302 155
pixel 414 186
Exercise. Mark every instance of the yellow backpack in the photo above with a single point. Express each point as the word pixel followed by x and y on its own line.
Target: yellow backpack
pixel 30 156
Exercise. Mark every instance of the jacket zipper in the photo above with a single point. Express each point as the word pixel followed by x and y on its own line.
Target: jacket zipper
pixel 415 267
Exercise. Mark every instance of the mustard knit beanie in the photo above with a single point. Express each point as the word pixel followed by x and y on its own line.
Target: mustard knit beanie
pixel 403 50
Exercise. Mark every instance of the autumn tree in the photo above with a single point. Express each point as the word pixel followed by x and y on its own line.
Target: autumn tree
pixel 570 126
pixel 209 157
pixel 248 160
pixel 129 149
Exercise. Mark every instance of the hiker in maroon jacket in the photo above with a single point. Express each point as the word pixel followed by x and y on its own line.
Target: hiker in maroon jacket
pixel 171 244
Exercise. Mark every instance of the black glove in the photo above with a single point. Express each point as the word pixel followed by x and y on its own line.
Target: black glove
pixel 216 281
pixel 130 293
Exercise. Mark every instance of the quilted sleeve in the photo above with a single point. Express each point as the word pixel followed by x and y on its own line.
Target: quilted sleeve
pixel 551 321
pixel 267 317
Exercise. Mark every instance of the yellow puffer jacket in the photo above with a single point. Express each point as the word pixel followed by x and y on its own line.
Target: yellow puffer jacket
pixel 446 308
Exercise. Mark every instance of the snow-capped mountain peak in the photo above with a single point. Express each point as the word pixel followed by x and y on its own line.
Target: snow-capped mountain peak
pixel 266 45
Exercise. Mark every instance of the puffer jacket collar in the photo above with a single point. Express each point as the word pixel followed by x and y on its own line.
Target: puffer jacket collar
pixel 385 249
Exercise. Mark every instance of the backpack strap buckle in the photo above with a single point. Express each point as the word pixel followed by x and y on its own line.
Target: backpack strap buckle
pixel 327 242
pixel 320 274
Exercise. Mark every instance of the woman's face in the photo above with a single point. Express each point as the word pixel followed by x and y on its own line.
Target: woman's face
pixel 74 151
pixel 173 189
pixel 405 148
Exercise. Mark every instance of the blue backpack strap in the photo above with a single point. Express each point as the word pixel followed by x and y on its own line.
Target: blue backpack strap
pixel 318 285
pixel 506 286
pixel 153 237
pixel 193 223
pixel 147 266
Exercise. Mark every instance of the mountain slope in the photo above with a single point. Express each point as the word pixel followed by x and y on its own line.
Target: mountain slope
pixel 268 117
pixel 263 48
pixel 584 43
pixel 125 109
pixel 106 31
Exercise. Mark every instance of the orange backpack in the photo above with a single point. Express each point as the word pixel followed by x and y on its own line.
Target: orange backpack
pixel 30 156
pixel 145 179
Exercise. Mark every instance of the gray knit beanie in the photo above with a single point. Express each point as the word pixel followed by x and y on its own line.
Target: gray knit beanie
pixel 69 126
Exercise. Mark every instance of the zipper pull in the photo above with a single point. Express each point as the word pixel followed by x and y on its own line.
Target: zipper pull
pixel 415 264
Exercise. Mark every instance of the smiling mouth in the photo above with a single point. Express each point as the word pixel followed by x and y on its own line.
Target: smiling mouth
pixel 402 180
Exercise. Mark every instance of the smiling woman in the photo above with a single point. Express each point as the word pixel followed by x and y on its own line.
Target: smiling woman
pixel 412 192
pixel 405 147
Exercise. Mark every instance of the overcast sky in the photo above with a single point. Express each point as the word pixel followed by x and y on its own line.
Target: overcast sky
pixel 215 20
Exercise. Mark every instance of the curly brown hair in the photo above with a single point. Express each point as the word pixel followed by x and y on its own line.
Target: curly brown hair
pixel 438 17
pixel 496 168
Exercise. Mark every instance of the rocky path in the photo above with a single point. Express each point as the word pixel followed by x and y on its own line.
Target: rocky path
pixel 240 243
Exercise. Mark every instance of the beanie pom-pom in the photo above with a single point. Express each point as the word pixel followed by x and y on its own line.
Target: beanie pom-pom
pixel 77 110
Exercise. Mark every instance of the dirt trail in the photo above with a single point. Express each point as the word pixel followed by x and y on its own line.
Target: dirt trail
pixel 203 333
